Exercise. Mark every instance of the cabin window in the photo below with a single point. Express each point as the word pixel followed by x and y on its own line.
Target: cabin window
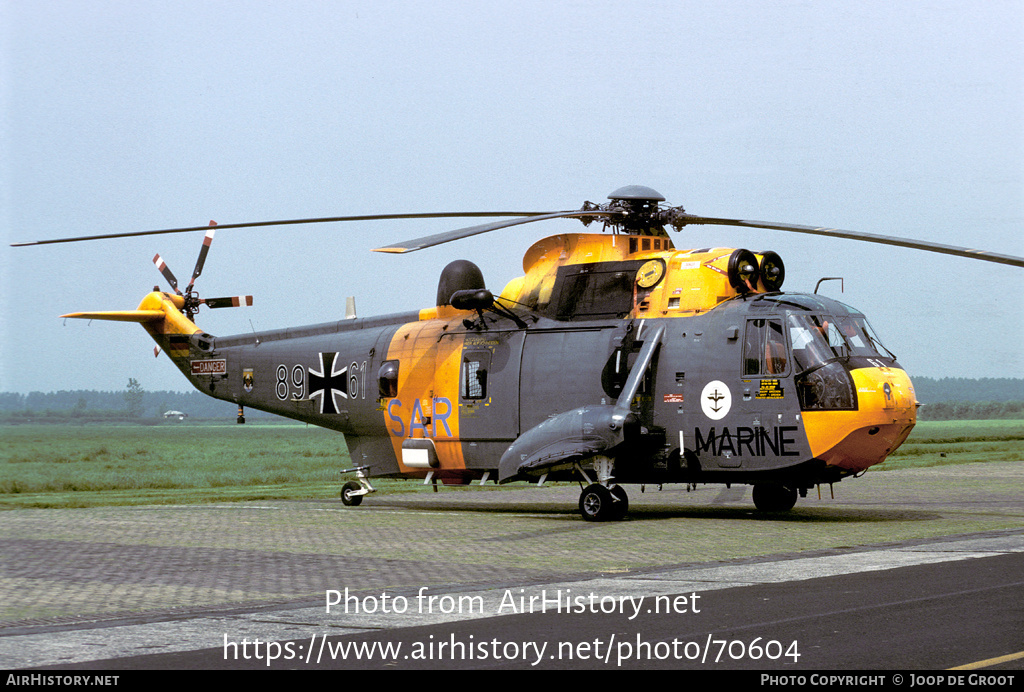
pixel 764 348
pixel 474 375
pixel 387 379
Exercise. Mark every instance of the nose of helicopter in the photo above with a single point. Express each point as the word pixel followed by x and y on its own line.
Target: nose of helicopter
pixel 886 413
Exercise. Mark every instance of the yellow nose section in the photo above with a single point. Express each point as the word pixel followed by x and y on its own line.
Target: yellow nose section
pixel 854 440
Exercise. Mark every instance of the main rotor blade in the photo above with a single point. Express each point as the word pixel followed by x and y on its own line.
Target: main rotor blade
pixel 868 237
pixel 287 222
pixel 459 233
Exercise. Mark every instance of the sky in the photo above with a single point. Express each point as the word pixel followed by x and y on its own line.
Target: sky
pixel 902 119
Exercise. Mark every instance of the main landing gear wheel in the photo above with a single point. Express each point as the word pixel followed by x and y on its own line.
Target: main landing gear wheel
pixel 349 498
pixel 599 503
pixel 770 497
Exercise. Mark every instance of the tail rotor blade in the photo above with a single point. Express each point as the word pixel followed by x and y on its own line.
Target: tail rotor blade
pixel 166 271
pixel 204 250
pixel 232 302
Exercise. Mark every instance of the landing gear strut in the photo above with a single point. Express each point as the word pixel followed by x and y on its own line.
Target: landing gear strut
pixel 352 492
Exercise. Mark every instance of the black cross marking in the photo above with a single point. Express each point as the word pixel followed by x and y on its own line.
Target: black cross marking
pixel 327 387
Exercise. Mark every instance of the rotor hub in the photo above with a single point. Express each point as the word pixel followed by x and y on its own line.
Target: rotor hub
pixel 639 193
pixel 636 210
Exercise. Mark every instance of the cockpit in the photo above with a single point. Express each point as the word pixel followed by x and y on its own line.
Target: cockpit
pixel 817 349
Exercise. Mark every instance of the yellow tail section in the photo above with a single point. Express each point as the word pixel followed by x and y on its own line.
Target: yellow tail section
pixel 160 314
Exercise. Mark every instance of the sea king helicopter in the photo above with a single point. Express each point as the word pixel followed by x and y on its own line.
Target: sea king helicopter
pixel 615 359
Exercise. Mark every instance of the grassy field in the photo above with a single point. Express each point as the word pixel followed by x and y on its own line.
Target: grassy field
pixel 94 465
pixel 937 443
pixel 88 465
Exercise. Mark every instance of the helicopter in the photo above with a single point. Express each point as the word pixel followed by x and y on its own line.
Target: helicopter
pixel 615 359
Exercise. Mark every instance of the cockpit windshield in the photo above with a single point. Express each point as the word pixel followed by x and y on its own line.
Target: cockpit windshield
pixel 862 339
pixel 818 339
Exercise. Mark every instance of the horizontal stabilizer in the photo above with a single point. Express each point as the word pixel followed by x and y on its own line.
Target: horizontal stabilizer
pixel 120 315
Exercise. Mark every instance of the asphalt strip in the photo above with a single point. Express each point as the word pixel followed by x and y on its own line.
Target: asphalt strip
pixel 363 611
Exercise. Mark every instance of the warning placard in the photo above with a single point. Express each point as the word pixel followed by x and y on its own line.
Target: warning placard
pixel 770 389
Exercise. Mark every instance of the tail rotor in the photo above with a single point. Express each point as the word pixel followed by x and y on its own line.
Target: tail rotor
pixel 191 298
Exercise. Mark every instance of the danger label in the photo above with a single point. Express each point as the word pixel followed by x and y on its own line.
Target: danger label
pixel 210 367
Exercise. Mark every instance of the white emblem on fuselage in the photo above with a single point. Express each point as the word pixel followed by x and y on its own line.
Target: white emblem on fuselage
pixel 715 400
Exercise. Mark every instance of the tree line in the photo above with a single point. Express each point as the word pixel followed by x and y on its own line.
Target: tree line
pixel 133 403
pixel 958 398
pixel 972 410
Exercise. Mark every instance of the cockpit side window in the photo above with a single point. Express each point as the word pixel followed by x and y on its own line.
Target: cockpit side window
pixel 764 348
pixel 813 338
pixel 822 382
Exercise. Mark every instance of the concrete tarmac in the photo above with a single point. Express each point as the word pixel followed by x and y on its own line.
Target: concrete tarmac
pixel 487 579
pixel 886 609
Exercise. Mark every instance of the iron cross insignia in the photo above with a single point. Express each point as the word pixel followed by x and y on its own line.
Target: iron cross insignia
pixel 328 387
